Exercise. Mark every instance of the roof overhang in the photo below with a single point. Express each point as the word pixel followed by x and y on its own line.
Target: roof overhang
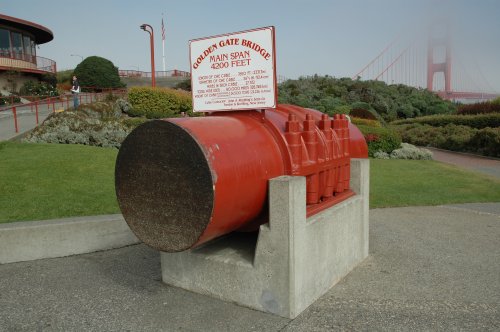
pixel 41 33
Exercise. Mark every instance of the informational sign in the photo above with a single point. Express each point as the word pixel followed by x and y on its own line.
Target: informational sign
pixel 235 71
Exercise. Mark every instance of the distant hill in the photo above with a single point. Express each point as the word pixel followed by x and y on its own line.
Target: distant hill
pixel 165 82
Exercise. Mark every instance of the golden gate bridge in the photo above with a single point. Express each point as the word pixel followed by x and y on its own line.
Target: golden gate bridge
pixel 428 62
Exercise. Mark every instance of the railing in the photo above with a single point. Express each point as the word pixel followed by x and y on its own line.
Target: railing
pixel 54 103
pixel 143 74
pixel 27 62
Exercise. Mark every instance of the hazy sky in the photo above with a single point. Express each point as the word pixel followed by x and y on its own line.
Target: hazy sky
pixel 312 36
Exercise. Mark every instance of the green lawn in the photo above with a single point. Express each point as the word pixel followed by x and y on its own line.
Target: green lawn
pixel 45 181
pixel 426 182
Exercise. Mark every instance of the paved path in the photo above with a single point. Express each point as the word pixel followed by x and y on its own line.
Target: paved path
pixel 26 115
pixel 430 268
pixel 488 166
pixel 26 120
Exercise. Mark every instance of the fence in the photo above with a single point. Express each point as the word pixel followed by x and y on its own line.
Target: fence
pixel 143 74
pixel 27 62
pixel 53 103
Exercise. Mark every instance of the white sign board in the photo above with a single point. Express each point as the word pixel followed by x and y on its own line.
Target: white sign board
pixel 235 71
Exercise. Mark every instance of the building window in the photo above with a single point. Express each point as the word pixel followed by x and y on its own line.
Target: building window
pixel 4 43
pixel 17 45
pixel 27 48
pixel 33 49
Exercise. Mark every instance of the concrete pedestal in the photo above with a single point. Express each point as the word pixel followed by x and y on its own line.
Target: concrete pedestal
pixel 292 261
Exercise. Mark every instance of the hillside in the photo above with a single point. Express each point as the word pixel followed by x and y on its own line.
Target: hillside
pixel 341 95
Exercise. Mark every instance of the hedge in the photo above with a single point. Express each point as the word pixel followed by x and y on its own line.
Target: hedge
pixel 485 141
pixel 480 108
pixel 380 139
pixel 156 103
pixel 478 121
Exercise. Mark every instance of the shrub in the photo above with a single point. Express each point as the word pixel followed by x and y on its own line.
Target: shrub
pixel 457 137
pixel 381 155
pixel 366 122
pixel 475 121
pixel 134 122
pixel 63 87
pixel 32 88
pixel 450 137
pixel 156 103
pixel 325 94
pixel 484 141
pixel 95 124
pixel 97 72
pixel 342 109
pixel 6 100
pixel 409 151
pixel 123 105
pixel 364 113
pixel 380 139
pixel 49 78
pixel 64 76
pixel 184 85
pixel 487 142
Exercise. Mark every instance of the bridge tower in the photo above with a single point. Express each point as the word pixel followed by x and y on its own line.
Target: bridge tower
pixel 436 42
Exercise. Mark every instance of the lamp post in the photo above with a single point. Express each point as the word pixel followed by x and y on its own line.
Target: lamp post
pixel 149 29
pixel 77 55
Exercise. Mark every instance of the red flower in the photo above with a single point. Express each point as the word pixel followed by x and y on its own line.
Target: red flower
pixel 371 137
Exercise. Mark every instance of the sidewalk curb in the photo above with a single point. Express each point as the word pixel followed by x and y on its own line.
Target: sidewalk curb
pixel 31 240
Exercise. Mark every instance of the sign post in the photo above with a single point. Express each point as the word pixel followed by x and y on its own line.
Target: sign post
pixel 235 71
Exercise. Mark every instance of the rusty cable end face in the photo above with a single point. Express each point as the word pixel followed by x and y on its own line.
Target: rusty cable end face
pixel 164 186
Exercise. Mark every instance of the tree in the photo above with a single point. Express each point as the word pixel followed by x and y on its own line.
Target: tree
pixel 97 72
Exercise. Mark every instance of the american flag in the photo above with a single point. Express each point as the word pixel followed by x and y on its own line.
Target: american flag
pixel 162 29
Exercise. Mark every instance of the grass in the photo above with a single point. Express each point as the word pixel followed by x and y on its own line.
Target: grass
pixel 46 181
pixel 426 182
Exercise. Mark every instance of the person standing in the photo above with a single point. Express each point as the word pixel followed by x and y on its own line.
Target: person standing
pixel 75 90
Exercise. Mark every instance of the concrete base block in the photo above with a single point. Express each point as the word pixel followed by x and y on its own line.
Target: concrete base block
pixel 292 261
pixel 30 240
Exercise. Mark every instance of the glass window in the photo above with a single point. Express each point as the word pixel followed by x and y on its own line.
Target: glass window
pixel 17 44
pixel 4 43
pixel 26 42
pixel 33 48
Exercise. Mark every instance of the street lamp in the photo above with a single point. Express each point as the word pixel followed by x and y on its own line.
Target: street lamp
pixel 151 39
pixel 77 55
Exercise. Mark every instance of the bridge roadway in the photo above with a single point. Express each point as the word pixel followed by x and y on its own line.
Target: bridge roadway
pixel 454 95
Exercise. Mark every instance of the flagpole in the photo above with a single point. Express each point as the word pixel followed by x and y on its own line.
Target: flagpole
pixel 163 41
